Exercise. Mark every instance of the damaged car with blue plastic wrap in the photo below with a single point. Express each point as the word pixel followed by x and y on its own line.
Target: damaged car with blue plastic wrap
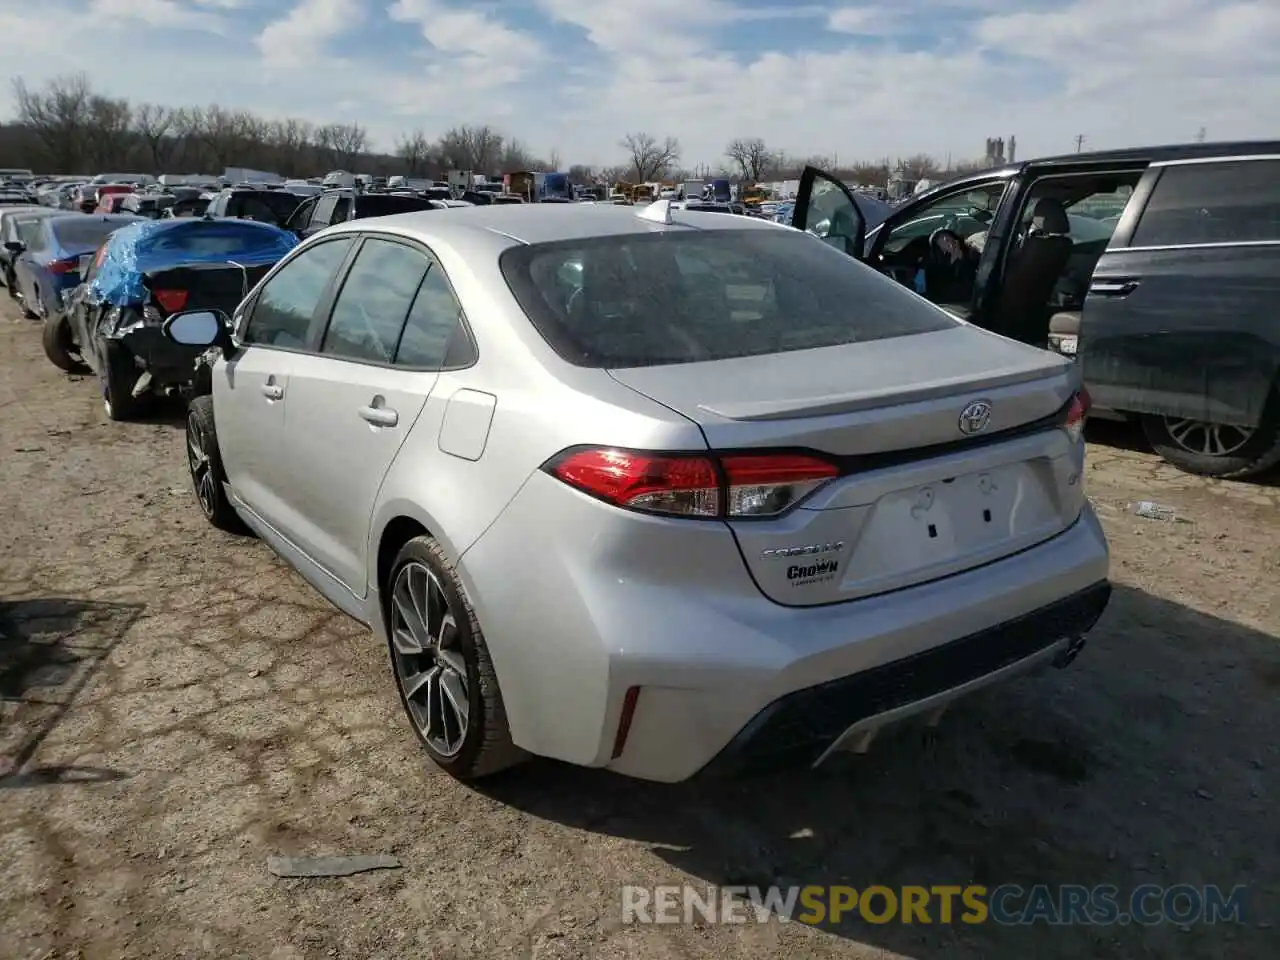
pixel 112 322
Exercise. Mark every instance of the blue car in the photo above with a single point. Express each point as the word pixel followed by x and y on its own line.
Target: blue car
pixel 48 263
pixel 113 322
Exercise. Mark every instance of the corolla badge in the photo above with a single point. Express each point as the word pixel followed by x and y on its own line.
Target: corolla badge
pixel 975 417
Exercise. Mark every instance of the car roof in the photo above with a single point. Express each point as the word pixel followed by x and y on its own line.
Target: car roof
pixel 545 223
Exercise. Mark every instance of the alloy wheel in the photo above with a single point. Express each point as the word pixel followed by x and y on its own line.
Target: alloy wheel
pixel 1207 439
pixel 430 667
pixel 201 468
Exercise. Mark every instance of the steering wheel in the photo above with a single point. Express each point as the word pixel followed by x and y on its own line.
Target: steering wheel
pixel 947 248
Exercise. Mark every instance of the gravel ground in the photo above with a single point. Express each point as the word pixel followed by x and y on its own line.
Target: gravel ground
pixel 176 706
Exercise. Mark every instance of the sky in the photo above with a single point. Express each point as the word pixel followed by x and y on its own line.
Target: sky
pixel 857 81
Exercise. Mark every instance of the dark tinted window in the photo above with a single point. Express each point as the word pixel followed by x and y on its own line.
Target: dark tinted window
pixel 642 299
pixel 85 231
pixel 266 206
pixel 331 209
pixel 373 205
pixel 369 313
pixel 434 323
pixel 1234 201
pixel 283 311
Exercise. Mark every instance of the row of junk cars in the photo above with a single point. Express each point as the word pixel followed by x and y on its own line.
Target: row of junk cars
pixel 104 262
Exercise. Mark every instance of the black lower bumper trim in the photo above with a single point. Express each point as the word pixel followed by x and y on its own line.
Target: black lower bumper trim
pixel 799 727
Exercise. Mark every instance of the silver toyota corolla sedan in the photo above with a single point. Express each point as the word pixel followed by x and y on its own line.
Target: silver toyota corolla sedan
pixel 666 492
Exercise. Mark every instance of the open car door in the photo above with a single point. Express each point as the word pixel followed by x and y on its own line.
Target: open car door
pixel 826 208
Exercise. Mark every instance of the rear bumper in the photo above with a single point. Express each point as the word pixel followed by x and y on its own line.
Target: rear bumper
pixel 169 363
pixel 615 601
pixel 802 727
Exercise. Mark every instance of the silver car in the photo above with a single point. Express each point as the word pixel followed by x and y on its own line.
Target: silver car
pixel 670 493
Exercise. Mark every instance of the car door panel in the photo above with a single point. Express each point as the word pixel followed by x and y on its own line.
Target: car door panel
pixel 346 422
pixel 1183 333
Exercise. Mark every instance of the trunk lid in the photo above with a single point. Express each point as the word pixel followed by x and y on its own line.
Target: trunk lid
pixel 918 498
pixel 209 286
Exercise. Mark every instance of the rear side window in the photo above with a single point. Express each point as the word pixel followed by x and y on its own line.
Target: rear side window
pixel 682 297
pixel 1235 201
pixel 371 309
pixel 284 309
pixel 434 323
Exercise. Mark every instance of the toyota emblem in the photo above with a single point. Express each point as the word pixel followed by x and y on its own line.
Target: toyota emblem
pixel 975 417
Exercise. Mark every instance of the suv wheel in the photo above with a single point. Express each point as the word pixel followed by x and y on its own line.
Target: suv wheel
pixel 1217 450
pixel 205 463
pixel 446 679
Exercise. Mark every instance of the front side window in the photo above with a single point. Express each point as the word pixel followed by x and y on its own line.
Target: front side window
pixel 645 299
pixel 370 312
pixel 287 304
pixel 1236 201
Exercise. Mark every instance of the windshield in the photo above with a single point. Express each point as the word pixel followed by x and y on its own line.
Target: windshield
pixel 74 232
pixel 643 299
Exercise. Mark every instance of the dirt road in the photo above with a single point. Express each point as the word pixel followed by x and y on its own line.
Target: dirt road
pixel 178 705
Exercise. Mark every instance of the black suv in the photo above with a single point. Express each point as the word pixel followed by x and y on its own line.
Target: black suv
pixel 1158 267
pixel 344 203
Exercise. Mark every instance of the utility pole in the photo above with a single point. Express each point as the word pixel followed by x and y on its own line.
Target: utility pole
pixel 1079 141
pixel 1200 135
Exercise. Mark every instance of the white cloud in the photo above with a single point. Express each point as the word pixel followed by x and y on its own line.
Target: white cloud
pixel 298 38
pixel 1117 73
pixel 157 13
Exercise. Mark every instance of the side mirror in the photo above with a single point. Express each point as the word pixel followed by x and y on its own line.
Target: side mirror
pixel 198 328
pixel 15 246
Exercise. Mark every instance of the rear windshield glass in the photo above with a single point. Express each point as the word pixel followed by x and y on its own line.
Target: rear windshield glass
pixel 86 231
pixel 659 298
pixel 267 206
pixel 372 205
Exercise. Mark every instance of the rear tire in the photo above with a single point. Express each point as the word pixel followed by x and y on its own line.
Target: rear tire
pixel 1242 457
pixel 59 347
pixel 119 376
pixel 484 746
pixel 204 460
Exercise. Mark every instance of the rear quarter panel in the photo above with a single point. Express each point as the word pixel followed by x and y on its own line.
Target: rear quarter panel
pixel 1199 337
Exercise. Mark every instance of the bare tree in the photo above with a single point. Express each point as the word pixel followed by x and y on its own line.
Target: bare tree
pixel 921 166
pixel 59 116
pixel 515 156
pixel 649 159
pixel 554 161
pixel 414 149
pixel 750 156
pixel 345 141
pixel 110 130
pixel 471 148
pixel 153 126
pixel 291 142
pixel 869 174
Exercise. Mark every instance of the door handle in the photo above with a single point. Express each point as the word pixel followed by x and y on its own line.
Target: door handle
pixel 272 391
pixel 379 416
pixel 1120 287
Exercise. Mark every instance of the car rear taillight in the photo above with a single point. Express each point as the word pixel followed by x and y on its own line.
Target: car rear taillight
pixel 1077 410
pixel 171 300
pixel 731 485
pixel 61 267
